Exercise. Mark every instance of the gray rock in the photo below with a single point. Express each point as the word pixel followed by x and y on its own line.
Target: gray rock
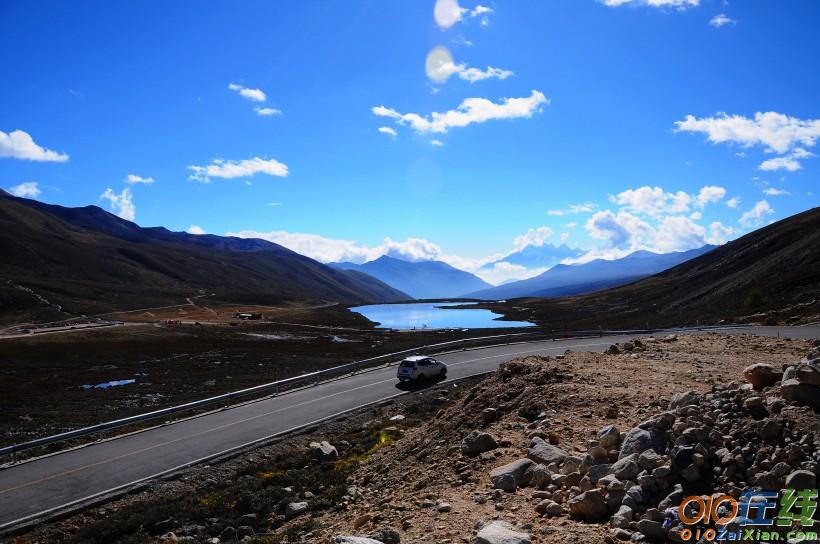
pixel 500 532
pixel 652 529
pixel 621 518
pixel 801 393
pixel 477 442
pixel 507 477
pixel 649 460
pixel 626 468
pixel 688 398
pixel 540 476
pixel 388 535
pixel 596 472
pixel 588 506
pixel 637 441
pixel 344 539
pixel 549 507
pixel 545 453
pixel 295 509
pixel 801 479
pixel 324 450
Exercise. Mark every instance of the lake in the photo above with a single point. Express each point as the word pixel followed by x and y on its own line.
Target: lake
pixel 433 315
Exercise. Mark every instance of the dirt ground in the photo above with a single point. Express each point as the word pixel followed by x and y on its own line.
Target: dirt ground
pixel 409 474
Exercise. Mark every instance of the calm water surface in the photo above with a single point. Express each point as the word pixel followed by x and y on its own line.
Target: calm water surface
pixel 433 315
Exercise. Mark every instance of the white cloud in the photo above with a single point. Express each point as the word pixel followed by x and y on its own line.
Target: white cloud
pixel 533 237
pixel 440 66
pixel 474 74
pixel 710 193
pixel 470 111
pixel 121 204
pixel 133 178
pixel 777 132
pixel 256 95
pixel 220 168
pixel 733 202
pixel 695 216
pixel 755 216
pixel 565 236
pixel 721 20
pixel 788 162
pixel 18 144
pixel 678 4
pixel 389 131
pixel 571 225
pixel 195 229
pixel 584 207
pixel 719 233
pixel 30 189
pixel 653 201
pixel 267 112
pixel 436 143
pixel 624 232
pixel 771 191
pixel 618 230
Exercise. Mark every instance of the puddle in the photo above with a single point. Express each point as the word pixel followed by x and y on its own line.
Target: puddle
pixel 107 385
pixel 277 337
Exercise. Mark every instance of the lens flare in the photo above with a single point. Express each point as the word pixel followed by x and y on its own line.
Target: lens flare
pixel 447 13
pixel 439 64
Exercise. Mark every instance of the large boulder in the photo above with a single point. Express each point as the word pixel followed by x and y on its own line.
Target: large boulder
pixel 588 506
pixel 802 393
pixel 508 477
pixel 500 532
pixel 477 442
pixel 761 375
pixel 801 479
pixel 637 440
pixel 545 453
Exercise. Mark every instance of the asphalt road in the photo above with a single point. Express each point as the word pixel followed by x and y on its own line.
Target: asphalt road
pixel 53 483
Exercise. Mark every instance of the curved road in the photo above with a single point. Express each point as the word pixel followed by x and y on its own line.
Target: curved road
pixel 40 487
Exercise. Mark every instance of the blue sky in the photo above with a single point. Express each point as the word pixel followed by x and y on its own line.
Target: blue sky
pixel 597 123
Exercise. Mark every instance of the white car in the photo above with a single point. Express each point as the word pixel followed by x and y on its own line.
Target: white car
pixel 419 368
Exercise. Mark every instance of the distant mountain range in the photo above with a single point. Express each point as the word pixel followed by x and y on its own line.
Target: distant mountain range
pixel 543 256
pixel 771 274
pixel 90 261
pixel 562 280
pixel 424 279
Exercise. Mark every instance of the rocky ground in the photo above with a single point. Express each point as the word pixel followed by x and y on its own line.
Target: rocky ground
pixel 578 448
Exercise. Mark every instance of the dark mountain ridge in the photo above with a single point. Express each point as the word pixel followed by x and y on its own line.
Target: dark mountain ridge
pixel 89 261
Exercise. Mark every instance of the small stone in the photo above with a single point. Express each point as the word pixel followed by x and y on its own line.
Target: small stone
pixel 588 506
pixel 477 442
pixel 500 532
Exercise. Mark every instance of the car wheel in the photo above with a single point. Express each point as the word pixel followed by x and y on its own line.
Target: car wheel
pixel 420 378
